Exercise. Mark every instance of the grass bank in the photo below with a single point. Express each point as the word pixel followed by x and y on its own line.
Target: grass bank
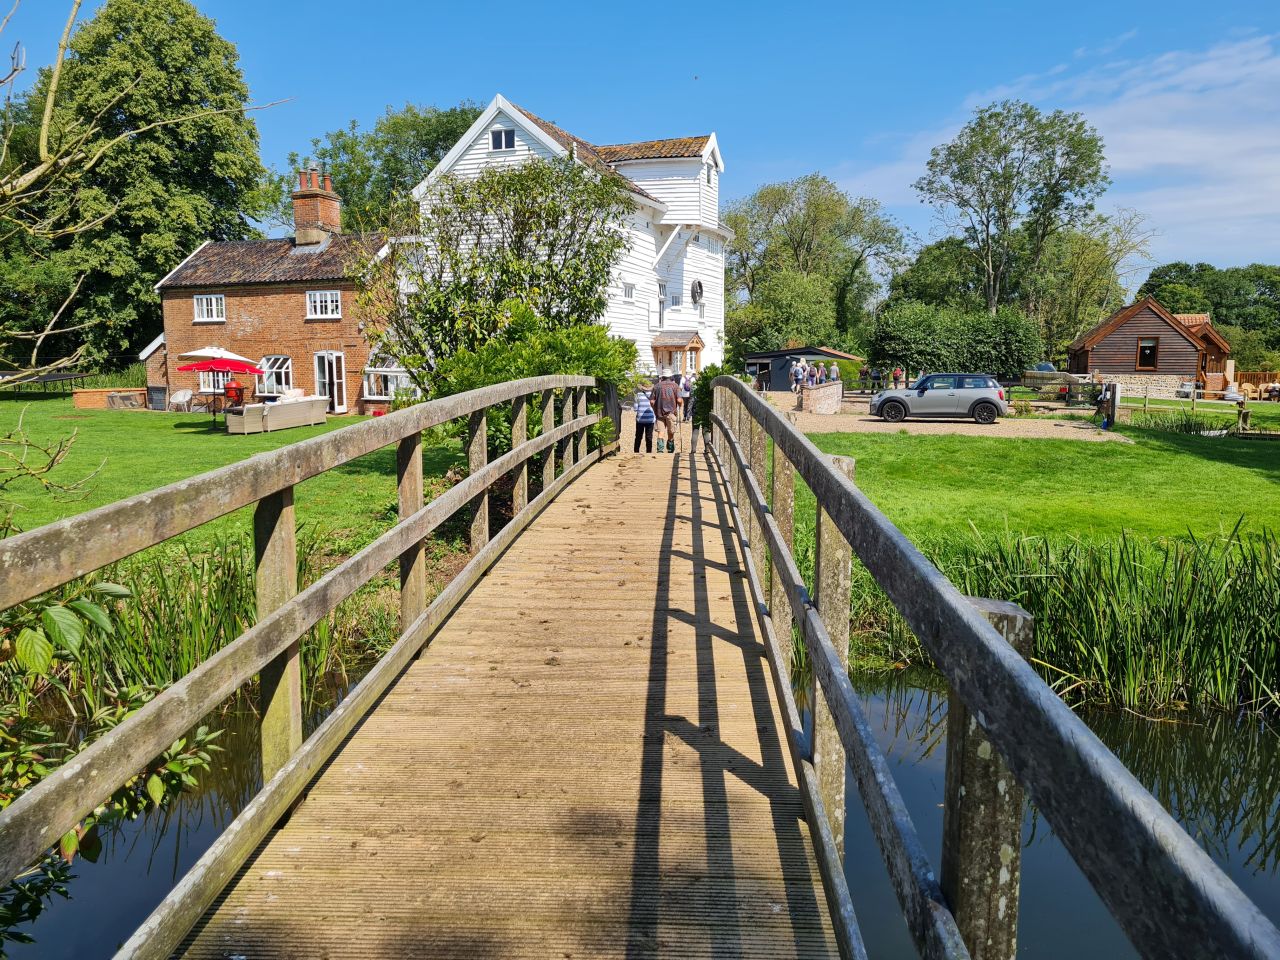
pixel 1152 567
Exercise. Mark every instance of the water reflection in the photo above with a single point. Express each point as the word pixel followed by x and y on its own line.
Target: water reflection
pixel 1219 775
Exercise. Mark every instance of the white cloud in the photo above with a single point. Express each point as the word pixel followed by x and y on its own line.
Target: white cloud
pixel 1192 137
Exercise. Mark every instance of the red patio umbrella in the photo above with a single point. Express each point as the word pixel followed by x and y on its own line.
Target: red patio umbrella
pixel 223 366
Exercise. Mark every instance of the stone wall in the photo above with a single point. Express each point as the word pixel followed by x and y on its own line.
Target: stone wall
pixel 1138 384
pixel 822 398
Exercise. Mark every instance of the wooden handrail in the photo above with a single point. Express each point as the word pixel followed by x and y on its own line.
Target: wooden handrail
pixel 34 822
pixel 1169 897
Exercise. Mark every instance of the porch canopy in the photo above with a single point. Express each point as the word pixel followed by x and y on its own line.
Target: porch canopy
pixel 681 350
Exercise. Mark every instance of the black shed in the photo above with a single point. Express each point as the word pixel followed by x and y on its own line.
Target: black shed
pixel 776 364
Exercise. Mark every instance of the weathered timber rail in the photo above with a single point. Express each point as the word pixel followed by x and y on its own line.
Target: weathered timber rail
pixel 1167 894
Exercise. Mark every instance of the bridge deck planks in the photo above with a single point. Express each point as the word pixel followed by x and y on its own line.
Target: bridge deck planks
pixel 586 762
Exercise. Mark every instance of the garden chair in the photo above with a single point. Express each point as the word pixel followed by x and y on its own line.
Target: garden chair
pixel 181 400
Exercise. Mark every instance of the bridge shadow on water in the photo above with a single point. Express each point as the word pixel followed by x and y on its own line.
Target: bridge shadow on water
pixel 655 903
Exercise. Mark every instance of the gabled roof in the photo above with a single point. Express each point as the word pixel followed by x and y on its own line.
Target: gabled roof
pixel 674 148
pixel 560 142
pixel 802 352
pixel 678 338
pixel 1193 319
pixel 151 347
pixel 1201 326
pixel 1091 336
pixel 233 262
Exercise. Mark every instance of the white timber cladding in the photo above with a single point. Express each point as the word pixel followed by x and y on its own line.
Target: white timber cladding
pixel 675 239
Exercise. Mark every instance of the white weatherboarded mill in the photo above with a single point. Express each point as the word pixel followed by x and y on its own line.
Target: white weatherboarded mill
pixel 667 294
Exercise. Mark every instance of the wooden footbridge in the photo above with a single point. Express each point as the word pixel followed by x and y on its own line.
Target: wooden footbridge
pixel 588 745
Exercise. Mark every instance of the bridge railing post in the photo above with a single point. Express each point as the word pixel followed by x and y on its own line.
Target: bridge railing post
pixel 276 581
pixel 582 433
pixel 756 434
pixel 566 414
pixel 549 424
pixel 613 411
pixel 520 433
pixel 833 580
pixel 477 457
pixel 982 815
pixel 413 562
pixel 783 508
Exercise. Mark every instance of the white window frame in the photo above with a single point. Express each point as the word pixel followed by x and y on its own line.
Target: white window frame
pixel 324 304
pixel 628 292
pixel 390 373
pixel 709 167
pixel 278 377
pixel 662 304
pixel 209 308
pixel 675 300
pixel 501 139
pixel 214 381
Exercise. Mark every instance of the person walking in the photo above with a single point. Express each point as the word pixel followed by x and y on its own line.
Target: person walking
pixel 644 419
pixel 691 384
pixel 686 389
pixel 795 376
pixel 666 406
pixel 863 376
pixel 876 378
pixel 834 372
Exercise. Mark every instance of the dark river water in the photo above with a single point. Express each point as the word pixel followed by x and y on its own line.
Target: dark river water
pixel 1220 776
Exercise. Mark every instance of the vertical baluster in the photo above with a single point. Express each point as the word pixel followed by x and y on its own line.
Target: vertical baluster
pixel 519 433
pixel 566 415
pixel 613 411
pixel 832 563
pixel 413 564
pixel 477 458
pixel 582 434
pixel 783 507
pixel 549 424
pixel 758 450
pixel 982 815
pixel 276 581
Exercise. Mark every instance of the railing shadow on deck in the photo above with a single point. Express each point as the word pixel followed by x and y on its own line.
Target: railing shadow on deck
pixel 1168 896
pixel 717 759
pixel 42 559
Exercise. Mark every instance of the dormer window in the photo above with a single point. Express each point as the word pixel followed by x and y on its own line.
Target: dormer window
pixel 502 139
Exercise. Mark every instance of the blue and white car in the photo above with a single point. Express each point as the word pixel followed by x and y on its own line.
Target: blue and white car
pixel 941 395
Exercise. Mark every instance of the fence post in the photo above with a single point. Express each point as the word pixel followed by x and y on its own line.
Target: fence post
pixel 758 444
pixel 413 564
pixel 982 816
pixel 1146 398
pixel 833 576
pixel 582 434
pixel 783 507
pixel 477 457
pixel 275 544
pixel 520 433
pixel 549 424
pixel 566 414
pixel 613 410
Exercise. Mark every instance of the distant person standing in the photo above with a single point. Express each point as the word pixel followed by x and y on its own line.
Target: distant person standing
pixel 863 376
pixel 686 389
pixel 666 405
pixel 796 373
pixel 898 376
pixel 834 372
pixel 876 378
pixel 691 384
pixel 644 419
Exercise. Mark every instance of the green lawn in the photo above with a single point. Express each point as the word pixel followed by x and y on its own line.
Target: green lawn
pixel 135 451
pixel 1162 484
pixel 1264 413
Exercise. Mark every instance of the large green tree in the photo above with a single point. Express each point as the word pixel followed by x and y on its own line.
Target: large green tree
pixel 545 233
pixel 1246 297
pixel 372 168
pixel 1010 180
pixel 788 309
pixel 136 64
pixel 923 337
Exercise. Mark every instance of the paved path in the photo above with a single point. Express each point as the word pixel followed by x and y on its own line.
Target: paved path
pixel 586 762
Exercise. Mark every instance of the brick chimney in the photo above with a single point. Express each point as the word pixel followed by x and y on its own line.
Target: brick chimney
pixel 317 210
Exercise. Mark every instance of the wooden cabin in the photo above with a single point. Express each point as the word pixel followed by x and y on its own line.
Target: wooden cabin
pixel 1145 339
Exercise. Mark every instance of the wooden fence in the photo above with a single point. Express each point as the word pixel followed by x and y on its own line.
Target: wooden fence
pixel 50 556
pixel 1167 894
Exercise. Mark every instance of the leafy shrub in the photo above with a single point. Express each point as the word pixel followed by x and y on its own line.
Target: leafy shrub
pixel 931 338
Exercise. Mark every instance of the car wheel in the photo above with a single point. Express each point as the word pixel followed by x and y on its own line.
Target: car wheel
pixel 985 413
pixel 893 411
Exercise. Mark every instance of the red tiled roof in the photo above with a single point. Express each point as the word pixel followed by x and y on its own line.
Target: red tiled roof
pixel 232 262
pixel 1193 319
pixel 672 148
pixel 587 152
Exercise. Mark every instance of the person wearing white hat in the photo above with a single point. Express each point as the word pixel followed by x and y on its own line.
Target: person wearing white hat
pixel 666 404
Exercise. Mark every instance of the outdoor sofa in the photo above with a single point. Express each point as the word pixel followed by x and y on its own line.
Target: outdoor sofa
pixel 288 411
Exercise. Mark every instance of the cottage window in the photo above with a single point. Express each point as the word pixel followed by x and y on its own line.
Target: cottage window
pixel 502 139
pixel 1148 353
pixel 324 304
pixel 210 308
pixel 662 304
pixel 213 381
pixel 628 292
pixel 675 299
pixel 278 376
pixel 382 381
pixel 708 174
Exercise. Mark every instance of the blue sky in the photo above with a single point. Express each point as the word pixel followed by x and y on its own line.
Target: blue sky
pixel 1187 95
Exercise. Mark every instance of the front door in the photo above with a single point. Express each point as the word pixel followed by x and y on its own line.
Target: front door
pixel 331 379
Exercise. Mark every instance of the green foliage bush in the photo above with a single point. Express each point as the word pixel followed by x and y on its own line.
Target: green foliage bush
pixel 932 338
pixel 702 393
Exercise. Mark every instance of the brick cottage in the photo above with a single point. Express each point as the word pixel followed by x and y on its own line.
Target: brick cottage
pixel 287 304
